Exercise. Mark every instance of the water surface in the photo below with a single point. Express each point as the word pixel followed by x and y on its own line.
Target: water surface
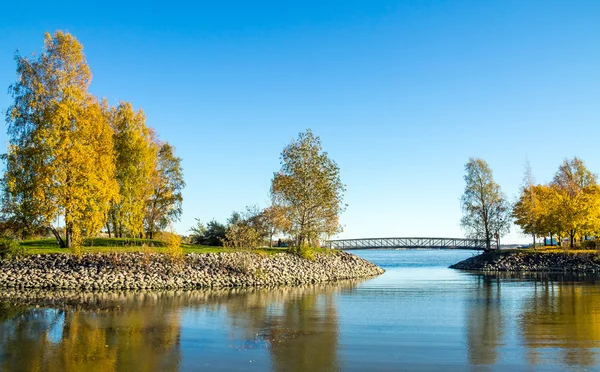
pixel 418 316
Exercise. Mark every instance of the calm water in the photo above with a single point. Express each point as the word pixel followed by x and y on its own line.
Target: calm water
pixel 418 316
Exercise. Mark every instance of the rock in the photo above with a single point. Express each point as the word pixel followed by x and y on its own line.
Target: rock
pixel 531 261
pixel 156 271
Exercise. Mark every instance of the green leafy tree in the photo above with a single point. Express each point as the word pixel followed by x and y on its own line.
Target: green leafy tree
pixel 212 234
pixel 197 232
pixel 60 160
pixel 485 210
pixel 308 189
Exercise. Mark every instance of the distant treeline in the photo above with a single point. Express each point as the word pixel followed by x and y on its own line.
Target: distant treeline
pixel 568 206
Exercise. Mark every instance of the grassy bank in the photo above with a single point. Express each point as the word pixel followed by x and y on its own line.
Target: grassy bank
pixel 112 245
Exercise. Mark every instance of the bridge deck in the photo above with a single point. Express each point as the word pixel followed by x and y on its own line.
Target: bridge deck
pixel 382 243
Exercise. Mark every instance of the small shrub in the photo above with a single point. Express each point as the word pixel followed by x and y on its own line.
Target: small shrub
pixel 588 244
pixel 242 236
pixel 172 242
pixel 10 248
pixel 305 251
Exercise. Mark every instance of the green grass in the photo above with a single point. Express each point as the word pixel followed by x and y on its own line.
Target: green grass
pixel 112 245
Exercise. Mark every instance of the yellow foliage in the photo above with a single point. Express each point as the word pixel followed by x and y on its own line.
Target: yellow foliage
pixel 242 236
pixel 136 159
pixel 68 160
pixel 569 206
pixel 173 243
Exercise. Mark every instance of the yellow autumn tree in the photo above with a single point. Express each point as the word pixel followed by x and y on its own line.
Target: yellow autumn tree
pixel 577 196
pixel 136 161
pixel 60 140
pixel 548 210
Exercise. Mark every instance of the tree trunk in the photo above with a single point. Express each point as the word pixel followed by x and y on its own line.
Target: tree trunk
pixel 108 228
pixel 533 236
pixel 571 237
pixel 69 235
pixel 114 224
pixel 59 240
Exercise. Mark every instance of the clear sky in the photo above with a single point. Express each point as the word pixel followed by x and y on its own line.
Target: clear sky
pixel 401 93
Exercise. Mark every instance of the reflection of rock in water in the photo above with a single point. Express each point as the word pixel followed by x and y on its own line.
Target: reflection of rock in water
pixel 485 322
pixel 563 315
pixel 140 331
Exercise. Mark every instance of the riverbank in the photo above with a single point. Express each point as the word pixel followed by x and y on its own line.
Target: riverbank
pixel 135 271
pixel 532 261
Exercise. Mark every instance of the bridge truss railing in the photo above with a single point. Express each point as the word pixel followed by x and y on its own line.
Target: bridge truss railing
pixel 382 243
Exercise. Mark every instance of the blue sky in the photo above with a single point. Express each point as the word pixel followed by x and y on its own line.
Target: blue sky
pixel 401 93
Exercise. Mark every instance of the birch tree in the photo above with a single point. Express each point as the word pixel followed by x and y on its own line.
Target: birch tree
pixel 308 189
pixel 60 160
pixel 485 211
pixel 136 155
pixel 166 199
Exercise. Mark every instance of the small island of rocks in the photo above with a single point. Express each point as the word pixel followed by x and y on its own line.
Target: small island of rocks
pixel 511 260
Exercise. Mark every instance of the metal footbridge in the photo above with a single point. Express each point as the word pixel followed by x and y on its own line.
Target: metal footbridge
pixel 407 243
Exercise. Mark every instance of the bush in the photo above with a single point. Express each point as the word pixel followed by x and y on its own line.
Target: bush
pixel 10 248
pixel 212 234
pixel 242 236
pixel 588 244
pixel 172 242
pixel 305 251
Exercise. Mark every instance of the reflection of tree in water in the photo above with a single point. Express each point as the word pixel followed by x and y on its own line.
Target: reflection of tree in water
pixel 304 336
pixel 134 336
pixel 141 331
pixel 299 325
pixel 563 315
pixel 485 322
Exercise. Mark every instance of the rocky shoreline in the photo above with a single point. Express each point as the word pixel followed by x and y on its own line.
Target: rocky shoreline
pixel 532 261
pixel 143 271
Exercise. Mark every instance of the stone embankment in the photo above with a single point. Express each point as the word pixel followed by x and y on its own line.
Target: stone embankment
pixel 532 261
pixel 157 271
